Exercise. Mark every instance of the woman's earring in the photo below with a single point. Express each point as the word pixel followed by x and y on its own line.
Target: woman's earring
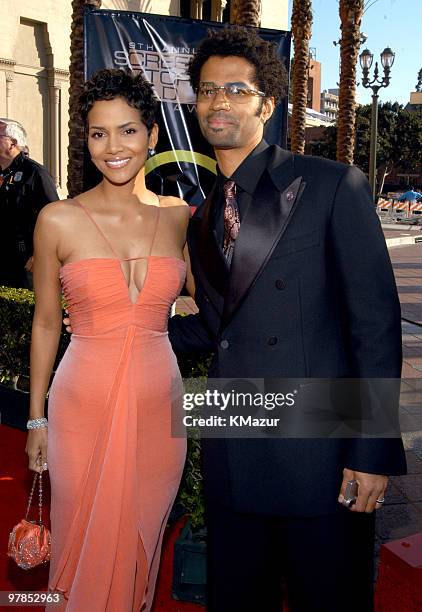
pixel 151 152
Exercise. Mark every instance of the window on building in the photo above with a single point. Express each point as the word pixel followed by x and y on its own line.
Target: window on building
pixel 226 12
pixel 206 10
pixel 188 9
pixel 310 91
pixel 185 8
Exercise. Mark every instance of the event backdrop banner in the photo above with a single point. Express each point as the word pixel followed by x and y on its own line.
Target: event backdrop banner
pixel 161 47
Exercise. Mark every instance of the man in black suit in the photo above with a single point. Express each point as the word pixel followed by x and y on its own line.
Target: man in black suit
pixel 293 279
pixel 25 187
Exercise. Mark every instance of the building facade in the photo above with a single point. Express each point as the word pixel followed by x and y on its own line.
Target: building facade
pixel 35 57
pixel 329 103
pixel 34 78
pixel 415 103
pixel 314 85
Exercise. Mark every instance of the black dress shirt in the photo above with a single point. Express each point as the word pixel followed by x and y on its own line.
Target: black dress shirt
pixel 246 177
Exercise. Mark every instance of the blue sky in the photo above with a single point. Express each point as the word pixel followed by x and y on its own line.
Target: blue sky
pixel 393 23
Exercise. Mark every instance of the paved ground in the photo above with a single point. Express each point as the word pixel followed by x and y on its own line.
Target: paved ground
pixel 402 513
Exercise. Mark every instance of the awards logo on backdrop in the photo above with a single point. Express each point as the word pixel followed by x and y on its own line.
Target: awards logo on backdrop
pixel 161 47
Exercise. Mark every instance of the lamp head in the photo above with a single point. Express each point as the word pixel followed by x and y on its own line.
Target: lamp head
pixel 387 57
pixel 366 58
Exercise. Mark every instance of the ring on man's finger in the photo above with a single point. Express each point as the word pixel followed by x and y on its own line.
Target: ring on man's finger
pixel 381 501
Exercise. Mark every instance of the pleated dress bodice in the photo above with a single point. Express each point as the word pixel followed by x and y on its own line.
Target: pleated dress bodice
pixel 98 299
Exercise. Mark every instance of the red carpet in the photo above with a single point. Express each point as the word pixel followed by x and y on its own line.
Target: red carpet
pixel 15 484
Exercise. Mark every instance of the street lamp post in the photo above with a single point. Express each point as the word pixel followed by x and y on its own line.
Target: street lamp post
pixel 387 60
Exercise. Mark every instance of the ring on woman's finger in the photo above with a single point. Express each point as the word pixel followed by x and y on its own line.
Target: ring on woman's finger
pixel 381 500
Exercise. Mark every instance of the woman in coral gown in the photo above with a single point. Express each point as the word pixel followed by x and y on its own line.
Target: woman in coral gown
pixel 118 258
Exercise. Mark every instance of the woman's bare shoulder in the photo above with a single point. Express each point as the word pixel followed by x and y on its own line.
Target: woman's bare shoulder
pixel 173 202
pixel 176 207
pixel 57 220
pixel 177 210
pixel 60 213
pixel 56 210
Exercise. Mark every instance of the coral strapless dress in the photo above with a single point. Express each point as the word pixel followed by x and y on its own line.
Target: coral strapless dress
pixel 114 466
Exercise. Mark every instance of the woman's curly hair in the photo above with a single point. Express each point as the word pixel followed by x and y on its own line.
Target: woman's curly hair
pixel 111 83
pixel 270 73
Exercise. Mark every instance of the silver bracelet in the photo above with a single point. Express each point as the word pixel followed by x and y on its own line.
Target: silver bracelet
pixel 36 423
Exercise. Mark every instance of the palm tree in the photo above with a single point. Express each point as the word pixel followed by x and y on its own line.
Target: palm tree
pixel 301 31
pixel 246 12
pixel 351 12
pixel 419 83
pixel 76 128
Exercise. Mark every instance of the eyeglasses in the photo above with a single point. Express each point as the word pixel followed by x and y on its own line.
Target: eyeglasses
pixel 233 92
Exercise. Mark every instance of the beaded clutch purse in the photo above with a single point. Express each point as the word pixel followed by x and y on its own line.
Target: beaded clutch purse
pixel 30 541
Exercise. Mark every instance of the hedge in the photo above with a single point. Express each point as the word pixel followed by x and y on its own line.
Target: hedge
pixel 16 311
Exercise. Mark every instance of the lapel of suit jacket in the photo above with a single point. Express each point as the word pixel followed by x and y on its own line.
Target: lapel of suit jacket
pixel 211 265
pixel 273 204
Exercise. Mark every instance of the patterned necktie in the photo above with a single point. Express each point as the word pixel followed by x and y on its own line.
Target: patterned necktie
pixel 231 219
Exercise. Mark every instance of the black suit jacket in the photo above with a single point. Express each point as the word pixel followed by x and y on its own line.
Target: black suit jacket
pixel 311 293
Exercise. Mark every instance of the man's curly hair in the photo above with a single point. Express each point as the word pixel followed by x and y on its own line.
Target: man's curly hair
pixel 270 73
pixel 111 83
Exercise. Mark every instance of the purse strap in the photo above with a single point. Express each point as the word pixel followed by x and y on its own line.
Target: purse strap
pixel 39 476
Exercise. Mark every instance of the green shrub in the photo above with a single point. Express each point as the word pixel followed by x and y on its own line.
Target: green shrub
pixel 16 312
pixel 191 490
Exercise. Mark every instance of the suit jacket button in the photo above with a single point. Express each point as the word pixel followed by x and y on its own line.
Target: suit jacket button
pixel 224 344
pixel 280 284
pixel 272 341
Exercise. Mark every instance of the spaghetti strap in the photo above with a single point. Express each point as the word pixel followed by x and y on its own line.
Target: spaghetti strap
pixel 157 217
pixel 89 215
